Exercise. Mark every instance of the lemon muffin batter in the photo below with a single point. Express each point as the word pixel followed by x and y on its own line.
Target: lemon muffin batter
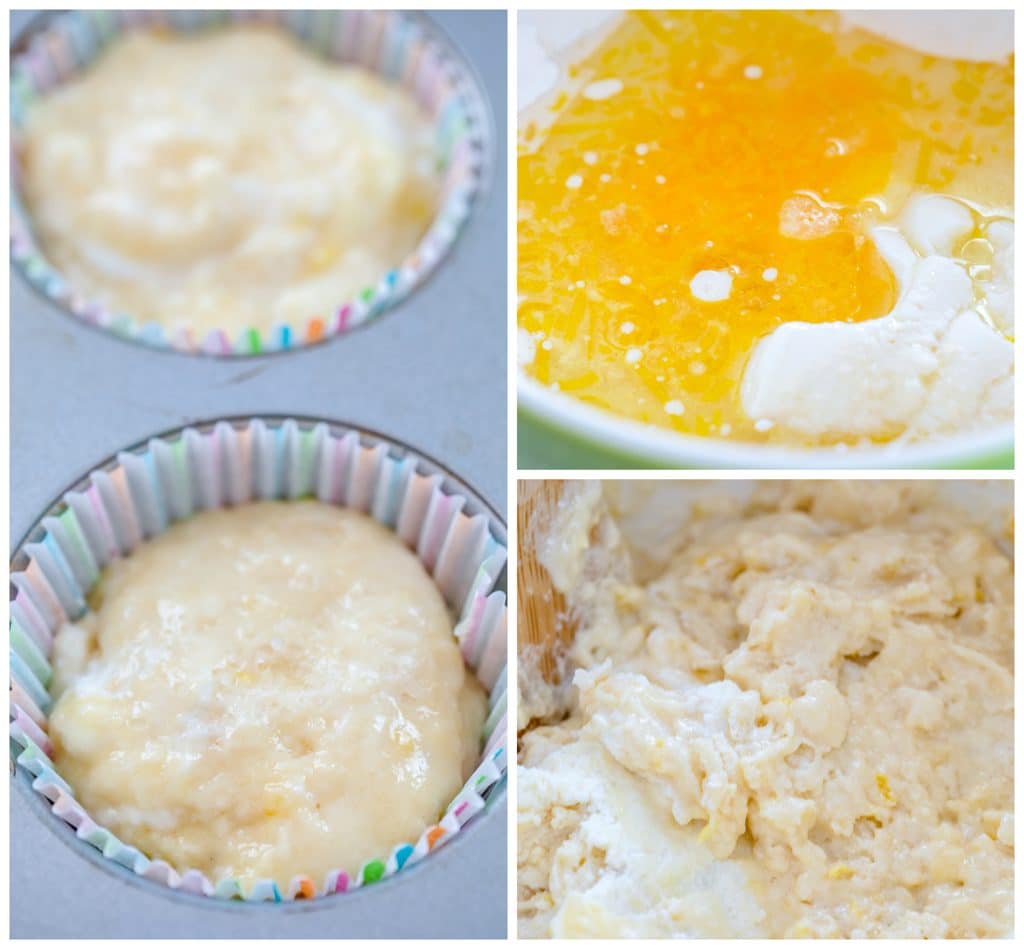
pixel 266 692
pixel 800 723
pixel 227 180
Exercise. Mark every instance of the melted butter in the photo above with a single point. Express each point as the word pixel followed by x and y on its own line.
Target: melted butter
pixel 758 144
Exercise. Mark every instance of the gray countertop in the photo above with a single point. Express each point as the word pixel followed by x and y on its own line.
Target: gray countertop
pixel 431 373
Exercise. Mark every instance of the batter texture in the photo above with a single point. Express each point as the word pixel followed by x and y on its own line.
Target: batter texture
pixel 227 180
pixel 265 692
pixel 798 724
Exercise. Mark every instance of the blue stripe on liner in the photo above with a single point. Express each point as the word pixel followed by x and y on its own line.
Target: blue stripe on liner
pixel 77 593
pixel 26 678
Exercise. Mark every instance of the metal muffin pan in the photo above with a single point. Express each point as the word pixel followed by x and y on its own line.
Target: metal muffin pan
pixel 431 372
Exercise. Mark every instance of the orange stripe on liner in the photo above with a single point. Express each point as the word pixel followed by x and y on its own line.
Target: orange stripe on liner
pixel 434 836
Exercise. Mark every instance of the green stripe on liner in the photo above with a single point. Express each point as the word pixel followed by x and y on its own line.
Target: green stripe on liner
pixel 73 531
pixel 252 340
pixel 183 484
pixel 321 31
pixel 26 678
pixel 306 462
pixel 103 23
pixel 36 268
pixel 29 653
pixel 23 93
pixel 373 871
pixel 123 325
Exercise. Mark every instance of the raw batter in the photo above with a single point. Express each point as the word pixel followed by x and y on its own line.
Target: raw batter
pixel 227 180
pixel 801 725
pixel 264 692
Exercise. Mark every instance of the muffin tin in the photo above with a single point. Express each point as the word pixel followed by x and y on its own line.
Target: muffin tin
pixel 79 395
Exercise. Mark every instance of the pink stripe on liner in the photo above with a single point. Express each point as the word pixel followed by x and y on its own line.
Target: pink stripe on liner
pixel 30 728
pixel 376 47
pixel 207 446
pixel 37 68
pixel 342 883
pixel 426 83
pixel 194 882
pixel 366 49
pixel 492 660
pixel 92 495
pixel 473 625
pixel 69 810
pixel 216 341
pixel 24 703
pixel 119 480
pixel 338 469
pixel 352 43
pixel 245 462
pixel 441 85
pixel 37 627
pixel 94 313
pixel 42 590
pixel 181 339
pixel 220 489
pixel 439 529
pixel 20 245
pixel 413 55
pixel 57 47
pixel 343 316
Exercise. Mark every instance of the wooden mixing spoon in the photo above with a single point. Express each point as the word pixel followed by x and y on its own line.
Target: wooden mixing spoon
pixel 544 621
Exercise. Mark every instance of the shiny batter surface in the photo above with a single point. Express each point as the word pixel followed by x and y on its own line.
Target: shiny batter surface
pixel 227 180
pixel 800 725
pixel 264 692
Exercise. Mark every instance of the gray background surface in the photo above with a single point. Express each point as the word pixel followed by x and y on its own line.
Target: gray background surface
pixel 431 373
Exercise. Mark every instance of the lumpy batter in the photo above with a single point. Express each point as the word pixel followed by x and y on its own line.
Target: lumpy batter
pixel 227 180
pixel 263 692
pixel 799 724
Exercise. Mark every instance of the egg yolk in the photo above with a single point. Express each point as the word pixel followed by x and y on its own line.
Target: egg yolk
pixel 711 176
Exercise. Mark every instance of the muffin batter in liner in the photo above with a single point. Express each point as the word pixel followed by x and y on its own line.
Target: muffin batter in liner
pixel 145 490
pixel 399 47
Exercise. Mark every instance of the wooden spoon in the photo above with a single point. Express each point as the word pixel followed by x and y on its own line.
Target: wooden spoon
pixel 544 621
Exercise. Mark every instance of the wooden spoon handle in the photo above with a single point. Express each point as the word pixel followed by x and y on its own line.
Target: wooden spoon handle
pixel 544 623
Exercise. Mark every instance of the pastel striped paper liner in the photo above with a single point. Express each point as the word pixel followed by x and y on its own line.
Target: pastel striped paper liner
pixel 401 47
pixel 138 494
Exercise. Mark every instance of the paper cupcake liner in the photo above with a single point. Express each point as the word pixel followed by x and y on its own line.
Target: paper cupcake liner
pixel 140 492
pixel 402 47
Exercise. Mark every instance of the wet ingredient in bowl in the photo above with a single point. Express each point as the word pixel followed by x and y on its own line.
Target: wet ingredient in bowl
pixel 705 178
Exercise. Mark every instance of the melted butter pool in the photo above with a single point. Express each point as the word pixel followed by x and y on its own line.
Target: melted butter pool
pixel 755 146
